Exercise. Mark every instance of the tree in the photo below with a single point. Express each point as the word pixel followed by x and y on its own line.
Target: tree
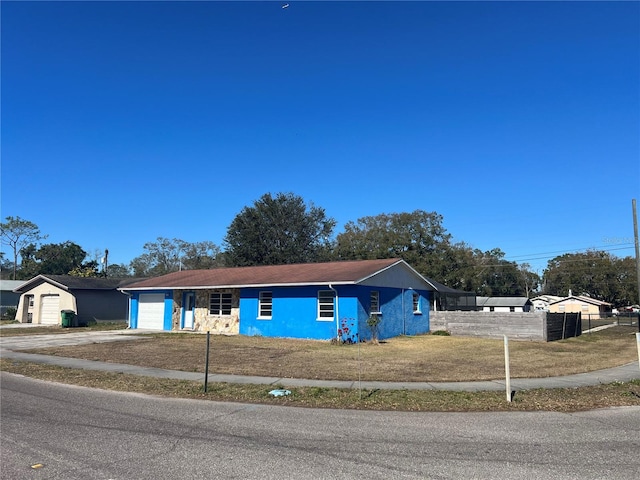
pixel 200 255
pixel 421 240
pixel 417 237
pixel 118 270
pixel 161 257
pixel 18 233
pixel 170 255
pixel 595 273
pixel 529 281
pixel 6 267
pixel 56 259
pixel 279 230
pixel 497 276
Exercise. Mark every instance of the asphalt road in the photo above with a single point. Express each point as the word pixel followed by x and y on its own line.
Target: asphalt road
pixel 80 433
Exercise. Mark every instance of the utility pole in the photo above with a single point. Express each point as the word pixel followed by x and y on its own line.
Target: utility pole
pixel 635 236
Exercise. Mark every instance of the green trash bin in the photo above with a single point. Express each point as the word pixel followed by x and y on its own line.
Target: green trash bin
pixel 68 318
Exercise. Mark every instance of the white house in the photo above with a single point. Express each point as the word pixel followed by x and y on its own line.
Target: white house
pixel 503 304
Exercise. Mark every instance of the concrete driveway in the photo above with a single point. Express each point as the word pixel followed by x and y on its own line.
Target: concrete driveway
pixel 25 342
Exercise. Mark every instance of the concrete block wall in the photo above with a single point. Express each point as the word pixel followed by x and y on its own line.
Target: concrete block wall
pixel 516 325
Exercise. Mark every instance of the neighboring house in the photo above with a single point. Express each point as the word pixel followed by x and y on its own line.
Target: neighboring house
pixel 43 298
pixel 541 303
pixel 581 304
pixel 314 301
pixel 503 304
pixel 9 298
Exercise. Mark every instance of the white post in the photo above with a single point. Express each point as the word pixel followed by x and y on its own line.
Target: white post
pixel 506 368
pixel 638 342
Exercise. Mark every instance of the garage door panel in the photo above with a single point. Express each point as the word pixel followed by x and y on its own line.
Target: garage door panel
pixel 151 311
pixel 50 310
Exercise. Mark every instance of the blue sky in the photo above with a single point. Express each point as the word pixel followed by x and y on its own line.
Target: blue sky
pixel 519 122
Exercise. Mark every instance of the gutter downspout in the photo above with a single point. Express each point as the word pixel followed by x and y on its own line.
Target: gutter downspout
pixel 404 315
pixel 128 307
pixel 337 316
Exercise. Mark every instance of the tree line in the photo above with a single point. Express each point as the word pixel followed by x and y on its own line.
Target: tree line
pixel 284 229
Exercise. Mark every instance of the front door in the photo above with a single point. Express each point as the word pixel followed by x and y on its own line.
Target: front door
pixel 189 303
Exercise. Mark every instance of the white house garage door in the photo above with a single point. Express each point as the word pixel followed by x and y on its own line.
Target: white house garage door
pixel 151 311
pixel 50 310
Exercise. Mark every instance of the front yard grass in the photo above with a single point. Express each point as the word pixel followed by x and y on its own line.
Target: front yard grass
pixel 429 358
pixel 557 400
pixel 424 358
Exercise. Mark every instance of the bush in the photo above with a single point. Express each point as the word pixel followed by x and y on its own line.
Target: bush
pixel 373 321
pixel 9 314
pixel 442 333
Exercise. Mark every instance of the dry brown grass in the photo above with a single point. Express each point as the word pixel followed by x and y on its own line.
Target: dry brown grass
pixel 558 400
pixel 426 358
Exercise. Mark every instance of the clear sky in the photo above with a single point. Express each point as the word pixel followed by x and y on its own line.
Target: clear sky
pixel 519 122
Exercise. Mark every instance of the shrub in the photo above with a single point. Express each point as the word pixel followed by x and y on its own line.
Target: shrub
pixel 373 322
pixel 442 333
pixel 9 314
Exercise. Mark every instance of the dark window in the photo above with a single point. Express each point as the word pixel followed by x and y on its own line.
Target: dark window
pixel 220 303
pixel 265 305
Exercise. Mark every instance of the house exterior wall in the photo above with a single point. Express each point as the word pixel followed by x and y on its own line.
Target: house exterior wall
pixel 203 321
pixel 67 302
pixel 396 312
pixel 574 305
pixel 540 306
pixel 96 305
pixel 503 309
pixel 295 313
pixel 8 298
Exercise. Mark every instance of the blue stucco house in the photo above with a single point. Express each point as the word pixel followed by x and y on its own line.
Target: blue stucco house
pixel 310 301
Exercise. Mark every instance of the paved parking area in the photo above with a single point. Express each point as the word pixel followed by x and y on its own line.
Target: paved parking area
pixel 25 342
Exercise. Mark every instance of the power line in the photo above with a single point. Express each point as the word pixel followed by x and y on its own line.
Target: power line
pixel 525 257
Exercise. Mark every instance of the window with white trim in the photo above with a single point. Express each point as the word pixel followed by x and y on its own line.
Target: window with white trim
pixel 326 304
pixel 416 303
pixel 265 304
pixel 374 304
pixel 220 303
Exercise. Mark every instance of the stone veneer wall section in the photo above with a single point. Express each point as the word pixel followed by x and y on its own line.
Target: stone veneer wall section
pixel 202 320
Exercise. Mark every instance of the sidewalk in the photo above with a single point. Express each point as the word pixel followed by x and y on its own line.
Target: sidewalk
pixel 10 345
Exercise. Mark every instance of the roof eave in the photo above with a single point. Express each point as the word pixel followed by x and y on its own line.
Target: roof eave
pixel 27 285
pixel 244 285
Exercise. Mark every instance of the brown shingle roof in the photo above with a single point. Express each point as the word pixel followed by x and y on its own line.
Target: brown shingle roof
pixel 69 282
pixel 347 272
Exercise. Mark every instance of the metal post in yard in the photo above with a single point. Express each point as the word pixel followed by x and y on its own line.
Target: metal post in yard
pixel 638 342
pixel 637 243
pixel 506 368
pixel 206 364
pixel 359 367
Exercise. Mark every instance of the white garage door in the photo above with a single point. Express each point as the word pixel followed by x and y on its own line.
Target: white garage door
pixel 50 310
pixel 151 311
